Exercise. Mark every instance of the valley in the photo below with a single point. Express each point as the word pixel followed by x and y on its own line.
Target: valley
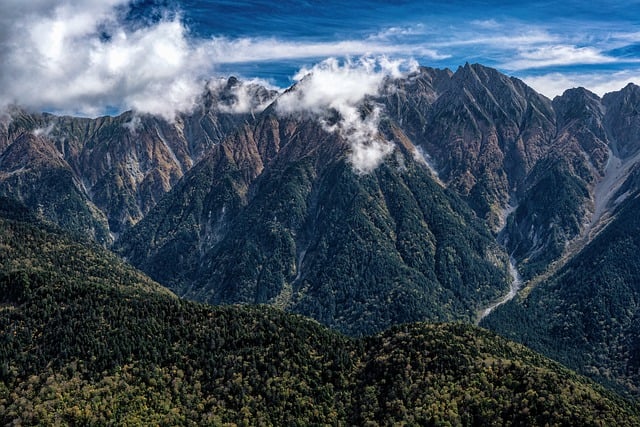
pixel 514 288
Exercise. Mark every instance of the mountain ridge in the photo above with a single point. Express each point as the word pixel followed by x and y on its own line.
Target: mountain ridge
pixel 476 174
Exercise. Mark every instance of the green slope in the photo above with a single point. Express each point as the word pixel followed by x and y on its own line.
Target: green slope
pixel 86 339
pixel 276 214
pixel 587 315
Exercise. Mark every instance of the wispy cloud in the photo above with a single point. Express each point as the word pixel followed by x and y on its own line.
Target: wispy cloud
pixel 553 84
pixel 229 51
pixel 81 57
pixel 503 41
pixel 546 56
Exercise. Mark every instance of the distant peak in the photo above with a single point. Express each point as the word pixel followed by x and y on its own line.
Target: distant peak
pixel 232 81
pixel 579 93
pixel 631 87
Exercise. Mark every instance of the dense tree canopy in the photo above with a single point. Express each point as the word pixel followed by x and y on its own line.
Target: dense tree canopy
pixel 85 339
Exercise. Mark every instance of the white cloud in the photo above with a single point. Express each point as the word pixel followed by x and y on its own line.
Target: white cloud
pixel 554 84
pixel 489 24
pixel 505 41
pixel 56 57
pixel 421 156
pixel 78 57
pixel 46 131
pixel 342 88
pixel 133 125
pixel 392 33
pixel 555 55
pixel 231 51
pixel 249 96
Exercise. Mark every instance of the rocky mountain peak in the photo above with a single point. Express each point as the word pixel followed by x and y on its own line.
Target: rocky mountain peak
pixel 580 121
pixel 623 119
pixel 577 104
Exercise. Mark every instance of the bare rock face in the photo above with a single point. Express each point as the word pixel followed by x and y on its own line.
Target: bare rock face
pixel 623 119
pixel 581 131
pixel 483 130
pixel 555 202
pixel 119 167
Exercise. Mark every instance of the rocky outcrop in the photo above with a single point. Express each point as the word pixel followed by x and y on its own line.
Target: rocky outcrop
pixel 120 167
pixel 483 130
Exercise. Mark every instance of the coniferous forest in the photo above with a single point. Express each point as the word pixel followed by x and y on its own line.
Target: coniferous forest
pixel 87 340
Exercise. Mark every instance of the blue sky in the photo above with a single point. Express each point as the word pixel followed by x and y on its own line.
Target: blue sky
pixel 552 45
pixel 93 56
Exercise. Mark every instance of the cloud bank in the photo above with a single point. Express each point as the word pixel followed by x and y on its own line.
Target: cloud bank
pixel 79 57
pixel 82 57
pixel 554 84
pixel 334 93
pixel 240 97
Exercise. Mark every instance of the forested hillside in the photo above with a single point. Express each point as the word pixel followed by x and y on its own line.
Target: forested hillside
pixel 276 214
pixel 587 315
pixel 88 340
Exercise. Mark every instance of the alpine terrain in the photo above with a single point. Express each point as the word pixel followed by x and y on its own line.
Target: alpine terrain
pixel 371 206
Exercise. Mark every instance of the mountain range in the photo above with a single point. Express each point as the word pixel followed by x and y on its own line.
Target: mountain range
pixel 479 188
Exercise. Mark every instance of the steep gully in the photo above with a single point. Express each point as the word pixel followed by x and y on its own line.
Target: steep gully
pixel 615 174
pixel 516 280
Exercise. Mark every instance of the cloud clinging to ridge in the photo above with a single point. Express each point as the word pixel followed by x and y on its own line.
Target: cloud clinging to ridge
pixel 342 87
pixel 79 57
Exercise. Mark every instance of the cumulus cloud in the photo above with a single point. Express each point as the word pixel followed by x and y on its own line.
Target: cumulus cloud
pixel 77 56
pixel 334 92
pixel 81 57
